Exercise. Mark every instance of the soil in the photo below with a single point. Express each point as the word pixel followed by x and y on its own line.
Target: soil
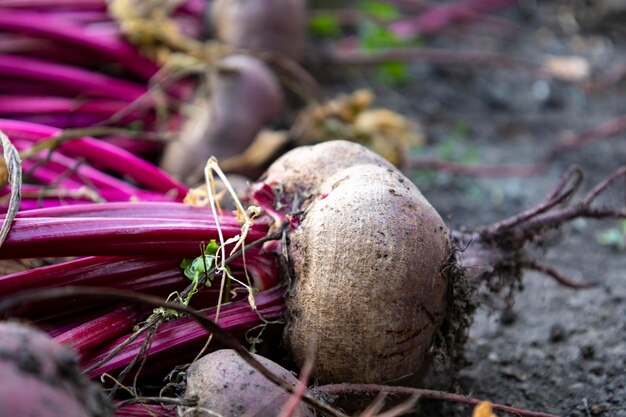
pixel 556 350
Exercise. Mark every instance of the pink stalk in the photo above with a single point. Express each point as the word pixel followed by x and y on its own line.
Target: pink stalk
pixel 52 28
pixel 137 274
pixel 65 112
pixel 443 15
pixel 102 329
pixel 106 155
pixel 16 85
pixel 42 49
pixel 32 204
pixel 95 271
pixel 62 121
pixel 75 80
pixel 109 325
pixel 21 104
pixel 61 4
pixel 143 410
pixel 32 193
pixel 147 275
pixel 11 43
pixel 54 195
pixel 136 146
pixel 49 176
pixel 58 237
pixel 82 17
pixel 84 181
pixel 175 211
pixel 180 340
pixel 82 175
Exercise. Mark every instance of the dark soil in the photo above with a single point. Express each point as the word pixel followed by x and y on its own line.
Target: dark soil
pixel 557 350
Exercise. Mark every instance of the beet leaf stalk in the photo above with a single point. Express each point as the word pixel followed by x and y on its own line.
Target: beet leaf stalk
pixel 49 27
pixel 74 80
pixel 103 154
pixel 87 236
pixel 184 338
pixel 133 232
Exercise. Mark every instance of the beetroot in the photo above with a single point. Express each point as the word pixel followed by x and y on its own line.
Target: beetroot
pixel 245 98
pixel 277 26
pixel 41 378
pixel 226 384
pixel 367 254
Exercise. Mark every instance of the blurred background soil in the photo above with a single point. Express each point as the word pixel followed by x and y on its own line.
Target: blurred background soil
pixel 556 350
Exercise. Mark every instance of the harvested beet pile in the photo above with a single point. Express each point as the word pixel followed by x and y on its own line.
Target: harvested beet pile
pixel 332 263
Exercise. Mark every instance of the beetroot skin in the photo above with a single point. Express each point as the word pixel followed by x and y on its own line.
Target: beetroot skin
pixel 41 378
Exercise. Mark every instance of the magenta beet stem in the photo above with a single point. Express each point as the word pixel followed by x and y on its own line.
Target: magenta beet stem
pixel 79 81
pixel 102 329
pixel 180 340
pixel 63 4
pixel 21 104
pixel 82 17
pixel 106 155
pixel 148 210
pixel 94 271
pixel 81 174
pixel 58 237
pixel 138 274
pixel 143 410
pixel 52 28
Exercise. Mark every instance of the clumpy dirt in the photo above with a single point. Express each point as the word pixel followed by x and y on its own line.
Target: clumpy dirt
pixel 557 350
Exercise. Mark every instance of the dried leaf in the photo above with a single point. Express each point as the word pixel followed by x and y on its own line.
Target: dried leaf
pixel 483 409
pixel 265 145
pixel 568 68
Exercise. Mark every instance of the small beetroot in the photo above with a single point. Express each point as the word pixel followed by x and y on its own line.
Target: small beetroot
pixel 41 378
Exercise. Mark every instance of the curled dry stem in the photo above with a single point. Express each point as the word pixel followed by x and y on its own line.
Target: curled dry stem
pixel 13 166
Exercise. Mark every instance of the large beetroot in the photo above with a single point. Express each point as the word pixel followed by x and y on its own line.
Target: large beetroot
pixel 368 292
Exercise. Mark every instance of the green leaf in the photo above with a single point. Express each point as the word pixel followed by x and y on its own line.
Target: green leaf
pixel 185 264
pixel 198 267
pixel 461 130
pixel 613 237
pixel 380 10
pixel 375 37
pixel 451 149
pixel 395 73
pixel 471 154
pixel 325 25
pixel 447 149
pixel 212 248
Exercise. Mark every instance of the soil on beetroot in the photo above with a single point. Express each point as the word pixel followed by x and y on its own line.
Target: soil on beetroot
pixel 556 350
